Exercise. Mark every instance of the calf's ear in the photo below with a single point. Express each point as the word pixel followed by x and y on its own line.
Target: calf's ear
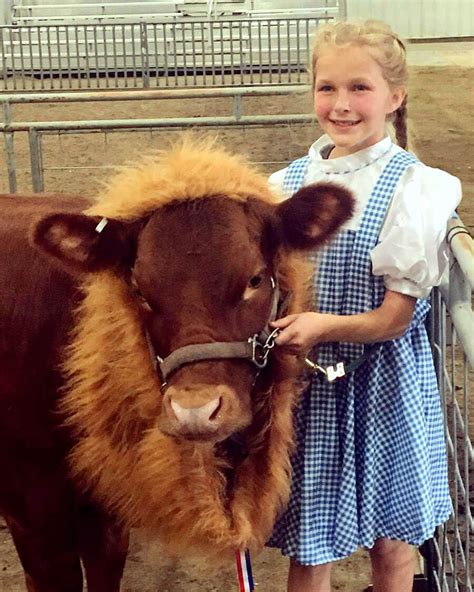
pixel 313 215
pixel 83 244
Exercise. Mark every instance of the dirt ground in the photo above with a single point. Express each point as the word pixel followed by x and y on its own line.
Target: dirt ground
pixel 441 125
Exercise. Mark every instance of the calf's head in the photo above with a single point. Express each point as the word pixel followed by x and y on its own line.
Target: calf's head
pixel 200 270
pixel 180 252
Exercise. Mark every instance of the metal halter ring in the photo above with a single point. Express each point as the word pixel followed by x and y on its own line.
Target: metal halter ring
pixel 260 351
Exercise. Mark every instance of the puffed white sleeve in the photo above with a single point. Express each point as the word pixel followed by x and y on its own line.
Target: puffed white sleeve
pixel 275 181
pixel 412 253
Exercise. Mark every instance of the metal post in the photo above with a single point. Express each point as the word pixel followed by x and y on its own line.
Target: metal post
pixel 342 5
pixel 237 107
pixel 36 160
pixel 9 149
pixel 4 71
pixel 11 167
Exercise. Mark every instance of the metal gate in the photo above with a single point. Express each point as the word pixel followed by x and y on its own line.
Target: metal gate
pixel 187 52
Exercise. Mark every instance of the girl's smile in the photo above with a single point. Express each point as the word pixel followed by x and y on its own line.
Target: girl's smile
pixel 344 122
pixel 352 98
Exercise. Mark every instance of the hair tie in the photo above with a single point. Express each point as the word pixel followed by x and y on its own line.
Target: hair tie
pixel 399 41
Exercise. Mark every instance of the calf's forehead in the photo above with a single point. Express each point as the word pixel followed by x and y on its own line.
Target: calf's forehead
pixel 216 233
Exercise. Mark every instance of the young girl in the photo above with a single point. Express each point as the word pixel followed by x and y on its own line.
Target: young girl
pixel 370 465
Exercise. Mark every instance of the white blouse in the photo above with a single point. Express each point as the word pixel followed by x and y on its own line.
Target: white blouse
pixel 412 253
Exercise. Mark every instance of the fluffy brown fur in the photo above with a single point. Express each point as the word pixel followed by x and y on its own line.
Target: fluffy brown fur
pixel 175 490
pixel 190 170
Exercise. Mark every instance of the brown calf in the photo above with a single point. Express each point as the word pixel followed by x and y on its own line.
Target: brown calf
pixel 91 443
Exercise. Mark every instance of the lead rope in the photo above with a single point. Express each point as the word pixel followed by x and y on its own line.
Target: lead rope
pixel 244 571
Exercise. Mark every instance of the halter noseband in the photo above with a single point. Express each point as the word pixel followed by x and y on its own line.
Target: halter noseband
pixel 256 349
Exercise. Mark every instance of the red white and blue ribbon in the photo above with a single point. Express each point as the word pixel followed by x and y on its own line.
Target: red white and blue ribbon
pixel 244 571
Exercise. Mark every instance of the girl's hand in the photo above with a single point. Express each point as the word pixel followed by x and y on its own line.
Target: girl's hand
pixel 300 332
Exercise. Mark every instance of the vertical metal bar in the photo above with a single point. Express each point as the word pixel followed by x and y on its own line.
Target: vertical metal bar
pixel 175 53
pixel 288 51
pixel 96 52
pixel 298 49
pixel 108 73
pixel 9 149
pixel 13 61
pixel 22 58
pixel 204 59
pixel 444 543
pixel 194 50
pixel 134 55
pixel 308 45
pixel 231 41
pixel 86 47
pixel 260 56
pixel 125 65
pixel 467 469
pixel 30 45
pixel 185 64
pixel 222 52
pixel 454 436
pixel 270 59
pixel 13 65
pixel 145 55
pixel 342 5
pixel 237 110
pixel 36 160
pixel 212 49
pixel 68 55
pixel 40 55
pixel 58 49
pixel 4 76
pixel 165 53
pixel 241 53
pixel 155 39
pixel 114 54
pixel 279 23
pixel 78 59
pixel 10 158
pixel 250 48
pixel 13 79
pixel 50 58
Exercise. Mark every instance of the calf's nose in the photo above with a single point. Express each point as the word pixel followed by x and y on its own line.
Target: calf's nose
pixel 196 419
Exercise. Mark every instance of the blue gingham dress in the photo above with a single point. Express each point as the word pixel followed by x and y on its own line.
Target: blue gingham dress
pixel 370 458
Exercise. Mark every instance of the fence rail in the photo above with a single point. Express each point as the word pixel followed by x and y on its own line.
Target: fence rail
pixel 37 130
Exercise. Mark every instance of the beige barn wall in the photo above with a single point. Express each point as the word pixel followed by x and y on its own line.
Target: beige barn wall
pixel 419 19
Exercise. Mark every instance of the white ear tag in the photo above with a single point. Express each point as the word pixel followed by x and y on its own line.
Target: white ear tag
pixel 102 224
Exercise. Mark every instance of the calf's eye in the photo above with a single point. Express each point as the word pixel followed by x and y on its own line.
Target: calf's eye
pixel 255 281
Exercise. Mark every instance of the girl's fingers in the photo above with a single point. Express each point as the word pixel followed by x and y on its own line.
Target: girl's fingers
pixel 286 336
pixel 283 322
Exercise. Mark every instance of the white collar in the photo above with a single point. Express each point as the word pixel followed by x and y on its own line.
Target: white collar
pixel 350 163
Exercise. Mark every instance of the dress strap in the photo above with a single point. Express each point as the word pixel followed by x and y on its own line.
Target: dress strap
pixel 361 296
pixel 295 174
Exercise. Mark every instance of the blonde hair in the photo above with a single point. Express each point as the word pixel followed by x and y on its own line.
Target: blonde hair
pixel 385 46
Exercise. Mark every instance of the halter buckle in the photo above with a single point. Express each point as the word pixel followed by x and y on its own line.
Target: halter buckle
pixel 259 352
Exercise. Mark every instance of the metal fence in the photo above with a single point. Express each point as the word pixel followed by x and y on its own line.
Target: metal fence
pixel 451 554
pixel 187 52
pixel 37 131
pixel 448 557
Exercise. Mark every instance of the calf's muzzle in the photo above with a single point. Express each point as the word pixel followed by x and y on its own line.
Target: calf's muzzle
pixel 202 411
